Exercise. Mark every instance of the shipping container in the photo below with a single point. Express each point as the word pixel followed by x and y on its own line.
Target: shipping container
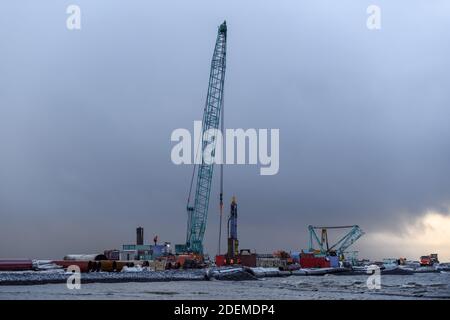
pixel 112 254
pixel 270 262
pixel 334 261
pixel 310 260
pixel 247 260
pixel 295 256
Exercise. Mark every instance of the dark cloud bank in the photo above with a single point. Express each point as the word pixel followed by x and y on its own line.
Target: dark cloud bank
pixel 86 118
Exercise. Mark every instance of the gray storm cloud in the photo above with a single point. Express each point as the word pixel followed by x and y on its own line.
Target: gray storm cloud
pixel 86 118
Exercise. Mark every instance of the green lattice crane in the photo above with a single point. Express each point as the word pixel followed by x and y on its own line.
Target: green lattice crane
pixel 340 246
pixel 197 211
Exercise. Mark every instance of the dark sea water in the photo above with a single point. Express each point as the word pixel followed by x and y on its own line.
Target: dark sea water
pixel 417 286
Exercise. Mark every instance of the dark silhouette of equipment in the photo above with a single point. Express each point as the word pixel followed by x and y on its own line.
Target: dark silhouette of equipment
pixel 140 236
pixel 233 242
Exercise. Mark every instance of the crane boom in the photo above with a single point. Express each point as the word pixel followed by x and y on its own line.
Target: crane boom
pixel 198 212
pixel 354 234
pixel 340 246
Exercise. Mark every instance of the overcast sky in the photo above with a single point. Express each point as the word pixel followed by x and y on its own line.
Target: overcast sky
pixel 86 118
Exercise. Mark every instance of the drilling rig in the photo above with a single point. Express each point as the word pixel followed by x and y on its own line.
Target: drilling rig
pixel 233 242
pixel 197 208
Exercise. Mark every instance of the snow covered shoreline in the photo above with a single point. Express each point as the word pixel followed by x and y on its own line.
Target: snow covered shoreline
pixel 19 278
pixel 38 278
pixel 129 275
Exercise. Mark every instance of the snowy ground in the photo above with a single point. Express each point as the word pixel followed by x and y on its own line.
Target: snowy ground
pixel 60 276
pixel 417 286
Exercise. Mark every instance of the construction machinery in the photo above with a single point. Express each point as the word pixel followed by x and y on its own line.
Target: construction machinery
pixel 339 247
pixel 232 256
pixel 245 257
pixel 429 260
pixel 197 210
pixel 233 242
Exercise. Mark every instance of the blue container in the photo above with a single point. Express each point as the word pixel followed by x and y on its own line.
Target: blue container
pixel 295 256
pixel 334 261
